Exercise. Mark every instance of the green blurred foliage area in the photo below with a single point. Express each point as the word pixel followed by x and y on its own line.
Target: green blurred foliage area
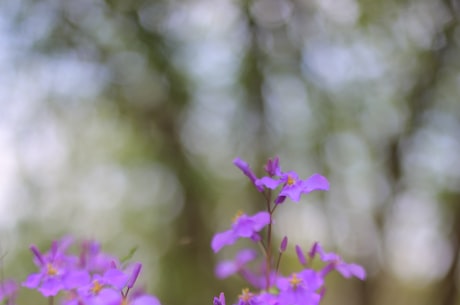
pixel 120 121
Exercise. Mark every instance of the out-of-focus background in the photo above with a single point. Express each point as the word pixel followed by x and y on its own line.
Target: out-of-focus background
pixel 119 121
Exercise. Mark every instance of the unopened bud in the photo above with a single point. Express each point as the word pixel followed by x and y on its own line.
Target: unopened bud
pixel 134 275
pixel 300 255
pixel 37 254
pixel 283 245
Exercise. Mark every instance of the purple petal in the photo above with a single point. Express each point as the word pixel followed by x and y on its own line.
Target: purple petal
pixel 116 278
pixel 222 239
pixel 244 167
pixel 75 279
pixel 225 269
pixel 348 270
pixel 312 278
pixel 106 297
pixel 268 182
pixel 245 256
pixel 315 182
pixel 260 220
pixel 51 287
pixel 145 300
pixel 33 280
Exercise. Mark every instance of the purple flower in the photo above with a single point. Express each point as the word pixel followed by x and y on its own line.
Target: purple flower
pixel 109 288
pixel 293 186
pixel 243 226
pixel 300 289
pixel 246 169
pixel 57 272
pixel 335 262
pixel 226 268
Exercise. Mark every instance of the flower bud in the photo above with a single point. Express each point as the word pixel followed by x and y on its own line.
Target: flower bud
pixel 300 255
pixel 283 245
pixel 37 254
pixel 134 275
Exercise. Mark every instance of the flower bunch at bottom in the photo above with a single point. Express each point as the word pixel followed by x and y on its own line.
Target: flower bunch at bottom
pixel 89 277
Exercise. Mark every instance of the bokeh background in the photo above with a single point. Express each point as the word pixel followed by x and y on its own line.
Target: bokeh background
pixel 119 121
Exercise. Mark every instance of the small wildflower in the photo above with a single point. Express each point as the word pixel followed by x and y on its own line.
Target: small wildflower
pixel 243 226
pixel 335 262
pixel 57 272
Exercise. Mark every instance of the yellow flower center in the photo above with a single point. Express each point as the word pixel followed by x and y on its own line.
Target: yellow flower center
pixel 245 295
pixel 295 281
pixel 97 287
pixel 290 180
pixel 50 270
pixel 237 215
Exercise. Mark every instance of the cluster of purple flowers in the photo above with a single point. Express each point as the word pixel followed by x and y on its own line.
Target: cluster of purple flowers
pixel 90 277
pixel 305 287
pixel 82 274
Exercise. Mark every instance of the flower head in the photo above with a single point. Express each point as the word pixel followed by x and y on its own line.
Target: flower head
pixel 335 262
pixel 57 272
pixel 243 226
pixel 300 288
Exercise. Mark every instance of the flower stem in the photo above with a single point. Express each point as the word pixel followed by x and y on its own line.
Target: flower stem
pixel 269 243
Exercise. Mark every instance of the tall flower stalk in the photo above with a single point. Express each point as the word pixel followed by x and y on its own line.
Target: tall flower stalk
pixel 305 287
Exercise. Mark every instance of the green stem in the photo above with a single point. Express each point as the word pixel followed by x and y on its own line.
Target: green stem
pixel 278 262
pixel 269 243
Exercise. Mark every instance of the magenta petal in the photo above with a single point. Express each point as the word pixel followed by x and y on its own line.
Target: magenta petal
pixel 348 270
pixel 106 297
pixel 245 256
pixel 51 287
pixel 32 280
pixel 75 279
pixel 260 219
pixel 116 278
pixel 145 300
pixel 268 182
pixel 246 169
pixel 315 182
pixel 222 239
pixel 225 269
